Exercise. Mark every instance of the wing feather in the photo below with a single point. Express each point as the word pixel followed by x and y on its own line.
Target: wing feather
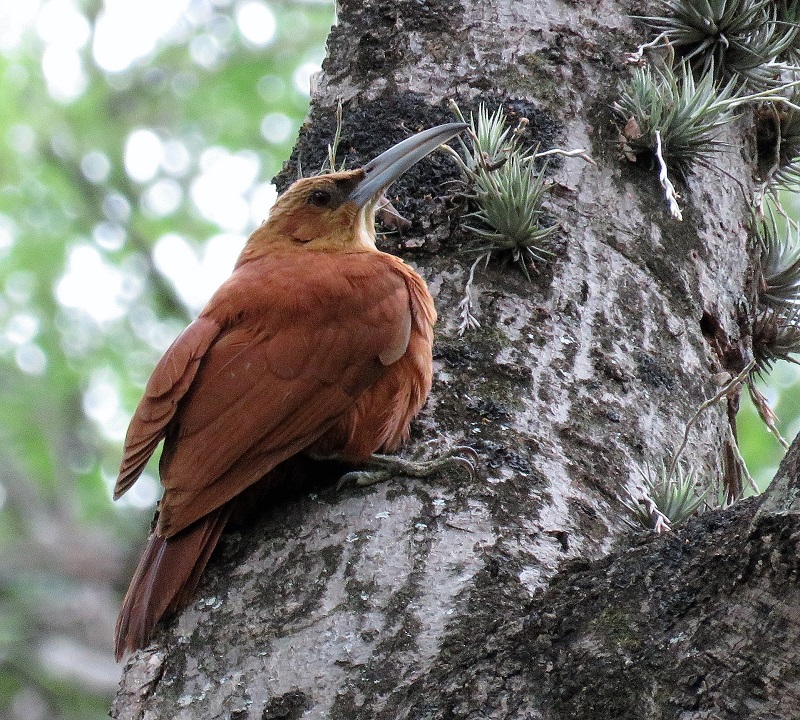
pixel 169 382
pixel 274 382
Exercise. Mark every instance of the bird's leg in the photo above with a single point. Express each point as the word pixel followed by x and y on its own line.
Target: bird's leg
pixel 385 467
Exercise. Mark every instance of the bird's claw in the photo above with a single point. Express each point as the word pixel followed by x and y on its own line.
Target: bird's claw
pixel 466 457
pixel 387 466
pixel 362 478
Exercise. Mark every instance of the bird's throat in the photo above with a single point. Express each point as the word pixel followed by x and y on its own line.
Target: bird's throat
pixel 365 227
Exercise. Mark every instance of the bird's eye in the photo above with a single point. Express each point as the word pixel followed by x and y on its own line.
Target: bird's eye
pixel 319 197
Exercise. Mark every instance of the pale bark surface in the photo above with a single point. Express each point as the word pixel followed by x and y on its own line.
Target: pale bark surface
pixel 430 599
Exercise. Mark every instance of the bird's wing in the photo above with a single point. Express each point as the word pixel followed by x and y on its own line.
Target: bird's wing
pixel 274 382
pixel 169 382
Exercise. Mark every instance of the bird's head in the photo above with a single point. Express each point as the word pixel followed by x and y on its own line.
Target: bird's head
pixel 336 211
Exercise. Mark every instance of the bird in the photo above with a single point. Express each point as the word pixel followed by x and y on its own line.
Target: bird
pixel 317 345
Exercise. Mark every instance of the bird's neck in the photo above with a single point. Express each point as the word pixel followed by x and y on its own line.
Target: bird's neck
pixel 365 227
pixel 295 236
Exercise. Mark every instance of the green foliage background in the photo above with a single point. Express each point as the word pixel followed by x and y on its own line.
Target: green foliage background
pixel 68 381
pixel 66 552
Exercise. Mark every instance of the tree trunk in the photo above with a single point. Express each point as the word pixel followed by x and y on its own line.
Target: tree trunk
pixel 496 596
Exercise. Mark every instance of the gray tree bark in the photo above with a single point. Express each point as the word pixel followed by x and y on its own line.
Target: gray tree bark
pixel 502 596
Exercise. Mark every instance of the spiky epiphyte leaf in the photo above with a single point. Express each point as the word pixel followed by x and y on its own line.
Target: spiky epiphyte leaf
pixel 779 141
pixel 732 39
pixel 687 114
pixel 675 495
pixel 509 200
pixel 492 144
pixel 507 189
pixel 776 336
pixel 788 13
pixel 776 328
pixel 779 263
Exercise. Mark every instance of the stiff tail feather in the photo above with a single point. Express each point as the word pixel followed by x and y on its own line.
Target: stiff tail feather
pixel 166 577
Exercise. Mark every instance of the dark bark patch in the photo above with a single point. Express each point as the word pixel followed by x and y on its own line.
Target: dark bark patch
pixel 710 327
pixel 290 706
pixel 371 40
pixel 498 455
pixel 367 130
pixel 653 373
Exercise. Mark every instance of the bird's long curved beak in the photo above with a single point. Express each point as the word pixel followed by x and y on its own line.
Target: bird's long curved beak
pixel 391 164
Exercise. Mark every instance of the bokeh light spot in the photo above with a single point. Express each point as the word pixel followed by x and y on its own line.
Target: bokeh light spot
pixel 261 200
pixel 176 159
pixel 205 51
pixel 102 405
pixel 303 76
pixel 101 399
pixel 116 207
pixel 109 236
pixel 21 138
pixel 22 328
pixel 95 166
pixel 143 154
pixel 8 233
pixel 196 277
pixel 276 127
pixel 126 31
pixel 163 197
pixel 15 19
pixel 19 286
pixel 31 359
pixel 63 72
pixel 222 28
pixel 218 192
pixel 142 495
pixel 96 287
pixel 256 22
pixel 60 23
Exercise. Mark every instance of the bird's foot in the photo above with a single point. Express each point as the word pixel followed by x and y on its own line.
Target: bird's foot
pixel 385 467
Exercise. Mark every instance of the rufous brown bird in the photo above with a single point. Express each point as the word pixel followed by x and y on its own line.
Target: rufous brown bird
pixel 318 343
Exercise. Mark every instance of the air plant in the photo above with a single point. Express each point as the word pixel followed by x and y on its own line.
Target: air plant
pixel 776 329
pixel 788 13
pixel 509 211
pixel 741 40
pixel 673 119
pixel 776 325
pixel 779 142
pixel 505 183
pixel 779 263
pixel 507 189
pixel 669 497
pixel 491 143
pixel 776 336
pixel 686 114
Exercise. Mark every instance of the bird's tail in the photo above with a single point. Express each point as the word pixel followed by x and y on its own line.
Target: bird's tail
pixel 166 577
